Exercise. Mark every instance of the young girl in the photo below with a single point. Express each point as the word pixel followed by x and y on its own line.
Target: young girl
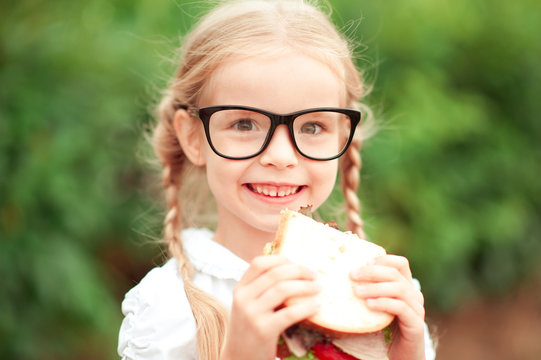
pixel 266 104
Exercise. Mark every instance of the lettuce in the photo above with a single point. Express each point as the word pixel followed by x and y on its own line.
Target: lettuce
pixel 309 356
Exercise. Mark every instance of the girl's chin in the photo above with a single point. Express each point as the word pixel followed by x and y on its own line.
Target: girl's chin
pixel 267 223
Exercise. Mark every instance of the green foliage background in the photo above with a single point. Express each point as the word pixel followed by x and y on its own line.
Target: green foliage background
pixel 451 180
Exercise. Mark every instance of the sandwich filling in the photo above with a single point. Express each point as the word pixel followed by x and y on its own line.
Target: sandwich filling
pixel 372 346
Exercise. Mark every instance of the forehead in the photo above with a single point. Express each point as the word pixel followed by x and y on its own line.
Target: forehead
pixel 285 83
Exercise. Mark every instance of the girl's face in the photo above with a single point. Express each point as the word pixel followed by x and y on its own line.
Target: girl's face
pixel 250 193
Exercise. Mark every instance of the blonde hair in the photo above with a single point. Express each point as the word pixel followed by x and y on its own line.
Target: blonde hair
pixel 247 28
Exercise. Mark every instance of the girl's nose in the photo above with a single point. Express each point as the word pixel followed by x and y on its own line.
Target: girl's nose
pixel 281 151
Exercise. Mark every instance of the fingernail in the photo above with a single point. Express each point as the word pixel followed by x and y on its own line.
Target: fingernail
pixel 360 289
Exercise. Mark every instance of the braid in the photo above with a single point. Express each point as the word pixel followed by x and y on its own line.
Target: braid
pixel 172 221
pixel 351 169
pixel 210 315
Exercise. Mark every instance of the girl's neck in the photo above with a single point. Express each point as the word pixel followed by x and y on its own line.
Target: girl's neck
pixel 244 241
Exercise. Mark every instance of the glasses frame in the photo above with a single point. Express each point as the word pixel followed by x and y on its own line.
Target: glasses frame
pixel 205 114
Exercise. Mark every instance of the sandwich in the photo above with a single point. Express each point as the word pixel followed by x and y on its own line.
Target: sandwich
pixel 344 327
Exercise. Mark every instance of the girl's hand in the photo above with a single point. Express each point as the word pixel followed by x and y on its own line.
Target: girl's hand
pixel 387 286
pixel 256 317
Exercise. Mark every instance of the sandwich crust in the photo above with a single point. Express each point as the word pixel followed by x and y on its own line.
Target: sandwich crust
pixel 331 254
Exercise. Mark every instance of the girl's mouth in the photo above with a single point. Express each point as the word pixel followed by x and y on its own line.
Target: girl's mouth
pixel 274 190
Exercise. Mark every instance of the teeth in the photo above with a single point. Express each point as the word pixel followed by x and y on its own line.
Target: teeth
pixel 274 191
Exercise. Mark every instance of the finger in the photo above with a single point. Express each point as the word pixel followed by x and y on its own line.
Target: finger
pixel 278 274
pixel 409 320
pixel 397 290
pixel 260 265
pixel 398 262
pixel 292 314
pixel 376 273
pixel 285 290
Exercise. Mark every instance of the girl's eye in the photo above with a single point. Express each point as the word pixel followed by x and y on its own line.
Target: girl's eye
pixel 311 128
pixel 244 125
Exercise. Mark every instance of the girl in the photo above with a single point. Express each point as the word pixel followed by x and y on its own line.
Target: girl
pixel 265 102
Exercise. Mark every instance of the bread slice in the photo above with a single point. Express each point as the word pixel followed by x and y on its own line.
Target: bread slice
pixel 332 254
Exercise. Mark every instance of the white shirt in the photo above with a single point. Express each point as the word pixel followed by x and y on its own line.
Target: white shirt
pixel 159 324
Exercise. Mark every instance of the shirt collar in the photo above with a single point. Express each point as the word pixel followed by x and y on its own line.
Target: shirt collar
pixel 207 256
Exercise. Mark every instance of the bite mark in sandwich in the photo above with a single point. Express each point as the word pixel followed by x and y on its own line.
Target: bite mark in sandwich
pixel 344 327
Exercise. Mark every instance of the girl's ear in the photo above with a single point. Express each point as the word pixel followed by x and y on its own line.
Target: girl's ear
pixel 190 137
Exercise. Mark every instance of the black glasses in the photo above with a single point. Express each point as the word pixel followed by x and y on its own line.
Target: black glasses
pixel 242 132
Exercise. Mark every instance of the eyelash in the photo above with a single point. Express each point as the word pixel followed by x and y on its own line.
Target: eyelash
pixel 243 121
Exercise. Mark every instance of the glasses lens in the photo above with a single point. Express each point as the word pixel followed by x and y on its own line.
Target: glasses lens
pixel 237 132
pixel 322 134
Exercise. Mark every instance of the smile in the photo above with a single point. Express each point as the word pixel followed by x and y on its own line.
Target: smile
pixel 274 191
